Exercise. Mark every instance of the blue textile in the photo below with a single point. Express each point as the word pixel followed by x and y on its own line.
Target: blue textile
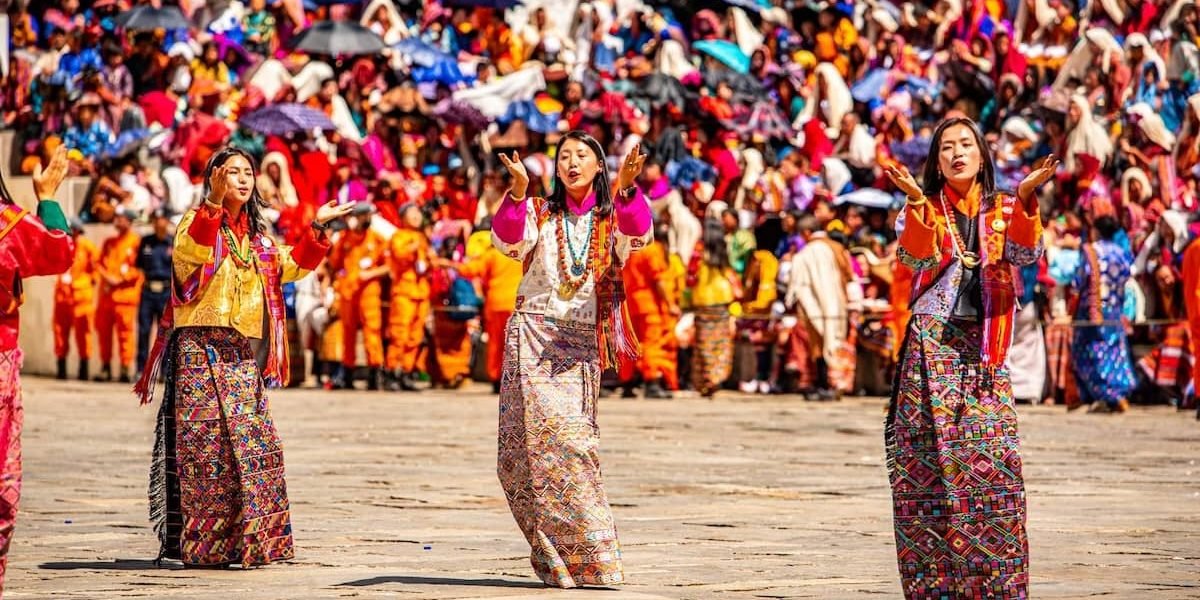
pixel 1100 354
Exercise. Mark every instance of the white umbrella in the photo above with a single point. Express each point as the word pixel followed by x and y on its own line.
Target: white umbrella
pixel 869 197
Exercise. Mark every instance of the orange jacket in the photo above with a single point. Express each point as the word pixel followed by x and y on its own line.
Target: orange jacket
pixel 409 259
pixel 78 285
pixel 118 258
pixel 501 276
pixel 643 272
pixel 353 253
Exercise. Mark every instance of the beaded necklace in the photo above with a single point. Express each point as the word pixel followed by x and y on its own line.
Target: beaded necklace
pixel 235 248
pixel 570 282
pixel 968 258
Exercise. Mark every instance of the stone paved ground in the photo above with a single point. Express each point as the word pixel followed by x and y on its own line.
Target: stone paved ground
pixel 396 497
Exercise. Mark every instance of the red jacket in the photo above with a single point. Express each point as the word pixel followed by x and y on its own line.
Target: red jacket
pixel 29 249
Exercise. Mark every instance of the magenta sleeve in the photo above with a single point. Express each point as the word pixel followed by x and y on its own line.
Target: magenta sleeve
pixel 509 222
pixel 633 215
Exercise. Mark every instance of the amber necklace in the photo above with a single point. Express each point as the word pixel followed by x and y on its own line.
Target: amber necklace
pixel 968 258
pixel 572 278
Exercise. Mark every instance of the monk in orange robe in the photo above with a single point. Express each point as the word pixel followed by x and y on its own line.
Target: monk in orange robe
pixel 654 310
pixel 75 304
pixel 499 277
pixel 409 262
pixel 120 293
pixel 359 260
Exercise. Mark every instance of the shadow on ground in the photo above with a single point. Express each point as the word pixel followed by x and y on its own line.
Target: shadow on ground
pixel 120 564
pixel 444 581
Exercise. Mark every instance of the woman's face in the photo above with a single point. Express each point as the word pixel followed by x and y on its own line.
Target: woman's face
pixel 412 217
pixel 239 178
pixel 959 155
pixel 1001 41
pixel 578 166
pixel 1135 190
pixel 274 173
pixel 1073 114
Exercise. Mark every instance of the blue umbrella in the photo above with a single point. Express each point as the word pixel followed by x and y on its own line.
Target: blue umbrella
pixel 871 87
pixel 128 142
pixel 282 119
pixel 725 51
pixel 535 120
pixel 445 71
pixel 420 53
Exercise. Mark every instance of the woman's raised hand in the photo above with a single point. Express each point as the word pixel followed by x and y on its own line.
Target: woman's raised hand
pixel 516 170
pixel 903 180
pixel 631 167
pixel 1043 171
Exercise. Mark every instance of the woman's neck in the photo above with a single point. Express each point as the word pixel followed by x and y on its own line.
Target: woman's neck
pixel 961 188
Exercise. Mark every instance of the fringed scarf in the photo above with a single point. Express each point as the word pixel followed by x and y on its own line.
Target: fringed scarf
pixel 184 292
pixel 614 328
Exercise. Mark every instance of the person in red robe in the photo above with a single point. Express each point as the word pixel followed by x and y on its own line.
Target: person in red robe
pixel 29 247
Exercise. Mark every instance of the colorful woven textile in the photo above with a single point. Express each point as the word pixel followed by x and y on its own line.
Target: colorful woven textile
pixel 1100 352
pixel 12 415
pixel 958 496
pixel 217 493
pixel 713 358
pixel 548 462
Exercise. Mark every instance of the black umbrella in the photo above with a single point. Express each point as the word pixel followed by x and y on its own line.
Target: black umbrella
pixel 747 89
pixel 661 89
pixel 339 38
pixel 148 18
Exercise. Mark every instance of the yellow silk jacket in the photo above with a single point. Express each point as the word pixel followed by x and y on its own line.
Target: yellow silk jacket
pixel 234 297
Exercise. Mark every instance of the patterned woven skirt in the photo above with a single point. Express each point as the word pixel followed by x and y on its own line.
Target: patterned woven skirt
pixel 548 463
pixel 12 414
pixel 955 469
pixel 217 494
pixel 713 357
pixel 1101 362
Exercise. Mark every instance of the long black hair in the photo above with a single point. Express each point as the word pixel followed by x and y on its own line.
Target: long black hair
pixel 556 202
pixel 932 180
pixel 716 249
pixel 254 206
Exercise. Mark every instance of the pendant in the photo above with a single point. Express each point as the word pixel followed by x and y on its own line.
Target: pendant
pixel 970 260
pixel 999 225
pixel 565 291
pixel 577 270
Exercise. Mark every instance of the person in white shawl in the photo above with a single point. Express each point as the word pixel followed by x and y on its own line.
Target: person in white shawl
pixel 382 17
pixel 1084 135
pixel 832 97
pixel 308 83
pixel 684 229
pixel 1096 42
pixel 275 182
pixel 747 36
pixel 819 292
pixel 1141 55
pixel 270 77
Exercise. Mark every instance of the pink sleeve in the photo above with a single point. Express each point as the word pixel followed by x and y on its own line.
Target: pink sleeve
pixel 633 215
pixel 509 222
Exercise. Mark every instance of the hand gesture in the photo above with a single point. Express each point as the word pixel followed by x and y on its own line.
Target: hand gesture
pixel 1043 171
pixel 332 210
pixel 218 186
pixel 46 182
pixel 631 167
pixel 516 170
pixel 903 180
